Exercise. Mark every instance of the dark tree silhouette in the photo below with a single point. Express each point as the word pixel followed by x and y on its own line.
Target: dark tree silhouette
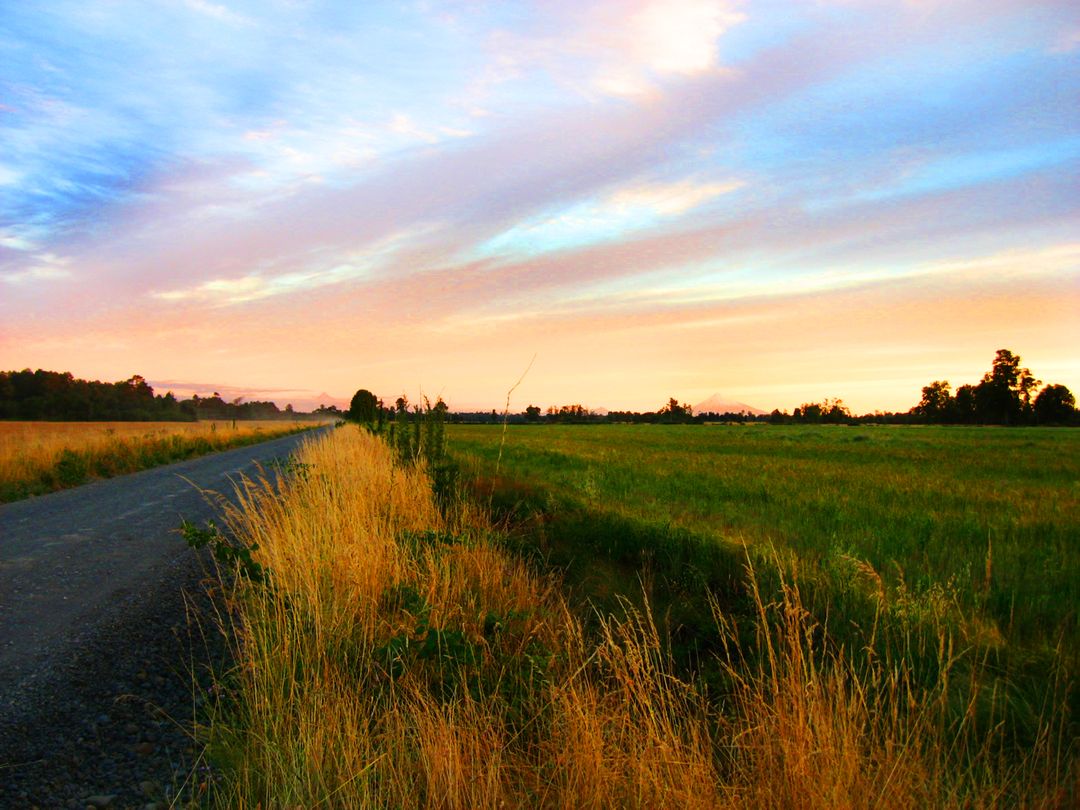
pixel 674 412
pixel 569 413
pixel 808 412
pixel 936 402
pixel 836 412
pixel 43 394
pixel 964 408
pixel 363 407
pixel 778 417
pixel 1004 395
pixel 1055 405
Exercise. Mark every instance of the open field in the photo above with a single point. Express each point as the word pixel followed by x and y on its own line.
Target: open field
pixel 39 457
pixel 985 521
pixel 404 655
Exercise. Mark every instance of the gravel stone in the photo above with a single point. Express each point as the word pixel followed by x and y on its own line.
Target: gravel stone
pixel 134 747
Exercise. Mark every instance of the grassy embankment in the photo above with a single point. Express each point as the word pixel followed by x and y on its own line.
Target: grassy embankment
pixel 40 457
pixel 403 656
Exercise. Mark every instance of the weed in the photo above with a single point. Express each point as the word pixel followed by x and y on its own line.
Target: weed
pixel 233 554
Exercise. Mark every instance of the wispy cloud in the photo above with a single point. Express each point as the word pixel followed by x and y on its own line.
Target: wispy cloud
pixel 254 286
pixel 41 267
pixel 218 12
pixel 616 215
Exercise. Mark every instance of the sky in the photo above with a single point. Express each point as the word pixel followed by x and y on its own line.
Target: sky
pixel 776 201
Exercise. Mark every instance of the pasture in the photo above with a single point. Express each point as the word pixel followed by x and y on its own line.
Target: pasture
pixel 987 520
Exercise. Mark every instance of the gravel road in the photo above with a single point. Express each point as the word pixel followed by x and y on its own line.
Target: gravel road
pixel 98 658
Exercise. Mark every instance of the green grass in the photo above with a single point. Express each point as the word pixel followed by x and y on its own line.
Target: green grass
pixel 899 537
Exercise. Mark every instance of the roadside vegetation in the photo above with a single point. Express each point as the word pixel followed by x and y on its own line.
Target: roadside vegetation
pixel 41 457
pixel 393 649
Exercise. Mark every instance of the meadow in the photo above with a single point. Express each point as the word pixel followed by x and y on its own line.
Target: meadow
pixel 985 521
pixel 523 644
pixel 39 457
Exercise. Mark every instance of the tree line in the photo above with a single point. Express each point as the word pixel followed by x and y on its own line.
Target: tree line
pixel 60 396
pixel 1008 394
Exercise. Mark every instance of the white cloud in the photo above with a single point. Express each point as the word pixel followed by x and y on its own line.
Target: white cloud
pixel 218 12
pixel 402 124
pixel 669 199
pixel 256 286
pixel 1053 259
pixel 662 37
pixel 680 37
pixel 614 47
pixel 224 291
pixel 14 241
pixel 625 210
pixel 48 267
pixel 9 176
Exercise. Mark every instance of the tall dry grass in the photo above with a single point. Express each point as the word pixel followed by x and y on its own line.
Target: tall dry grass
pixel 38 457
pixel 400 658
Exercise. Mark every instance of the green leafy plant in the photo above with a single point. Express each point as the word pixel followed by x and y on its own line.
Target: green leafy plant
pixel 291 467
pixel 72 468
pixel 227 552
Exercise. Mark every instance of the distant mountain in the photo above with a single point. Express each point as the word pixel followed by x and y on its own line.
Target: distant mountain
pixel 718 403
pixel 326 399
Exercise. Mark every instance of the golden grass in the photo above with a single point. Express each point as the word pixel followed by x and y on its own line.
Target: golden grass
pixel 401 658
pixel 30 452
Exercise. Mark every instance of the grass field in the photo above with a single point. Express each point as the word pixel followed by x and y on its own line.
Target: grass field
pixel 407 655
pixel 985 519
pixel 40 457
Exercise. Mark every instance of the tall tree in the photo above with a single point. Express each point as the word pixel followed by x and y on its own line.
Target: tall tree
pixel 674 412
pixel 1004 395
pixel 965 410
pixel 363 407
pixel 936 402
pixel 1055 405
pixel 809 412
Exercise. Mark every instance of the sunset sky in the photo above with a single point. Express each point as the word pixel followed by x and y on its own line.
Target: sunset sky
pixel 778 201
